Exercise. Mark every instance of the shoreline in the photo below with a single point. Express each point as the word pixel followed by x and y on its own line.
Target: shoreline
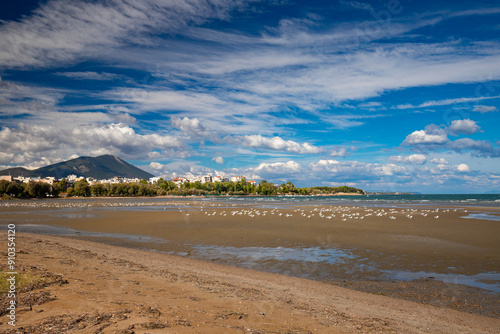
pixel 143 292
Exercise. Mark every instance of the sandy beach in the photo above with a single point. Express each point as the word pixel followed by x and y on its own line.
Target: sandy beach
pixel 344 269
pixel 96 288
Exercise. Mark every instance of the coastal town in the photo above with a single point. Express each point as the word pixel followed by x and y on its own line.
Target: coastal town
pixel 73 185
pixel 73 178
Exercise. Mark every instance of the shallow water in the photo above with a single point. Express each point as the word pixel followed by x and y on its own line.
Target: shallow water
pixel 483 216
pixel 307 262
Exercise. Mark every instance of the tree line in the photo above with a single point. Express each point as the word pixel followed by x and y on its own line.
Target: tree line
pixel 82 188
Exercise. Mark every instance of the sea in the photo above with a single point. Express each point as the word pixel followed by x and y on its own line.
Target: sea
pixel 393 200
pixel 481 200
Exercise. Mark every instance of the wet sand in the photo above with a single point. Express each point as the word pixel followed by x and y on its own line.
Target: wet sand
pixel 100 288
pixel 365 249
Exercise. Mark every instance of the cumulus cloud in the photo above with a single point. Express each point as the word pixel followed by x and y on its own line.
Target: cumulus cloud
pixel 276 144
pixel 332 172
pixel 349 169
pixel 484 109
pixel 418 159
pixel 463 168
pixel 463 126
pixel 219 160
pixel 49 144
pixel 432 135
pixel 194 128
pixel 289 170
pixel 156 165
pixel 279 167
pixel 436 138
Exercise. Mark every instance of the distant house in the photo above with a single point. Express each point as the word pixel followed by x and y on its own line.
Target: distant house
pixel 252 182
pixel 49 179
pixel 179 180
pixel 91 180
pixel 155 179
pixel 236 178
pixel 219 178
pixel 206 178
pixel 23 179
pixel 7 178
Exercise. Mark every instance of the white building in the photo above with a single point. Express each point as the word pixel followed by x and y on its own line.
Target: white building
pixel 236 178
pixel 179 180
pixel 155 179
pixel 7 178
pixel 91 180
pixel 206 178
pixel 49 179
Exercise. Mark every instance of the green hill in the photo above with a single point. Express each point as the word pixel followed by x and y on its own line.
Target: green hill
pixel 102 167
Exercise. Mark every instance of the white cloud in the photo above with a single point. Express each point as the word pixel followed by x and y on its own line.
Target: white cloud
pixel 194 128
pixel 338 152
pixel 389 177
pixel 348 170
pixel 391 169
pixel 463 168
pixel 278 167
pixel 423 137
pixel 42 145
pixel 465 126
pixel 484 109
pixel 435 138
pixel 156 165
pixel 418 159
pixel 275 143
pixel 219 160
pixel 61 31
pixel 479 147
pixel 89 75
pixel 447 102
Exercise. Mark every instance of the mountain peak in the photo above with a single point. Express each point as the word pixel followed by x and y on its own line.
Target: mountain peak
pixel 101 167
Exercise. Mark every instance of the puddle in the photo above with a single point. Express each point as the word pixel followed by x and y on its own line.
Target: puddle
pixel 64 231
pixel 483 216
pixel 77 215
pixel 253 254
pixel 487 281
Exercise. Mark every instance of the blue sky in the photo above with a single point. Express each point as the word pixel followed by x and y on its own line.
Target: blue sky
pixel 382 95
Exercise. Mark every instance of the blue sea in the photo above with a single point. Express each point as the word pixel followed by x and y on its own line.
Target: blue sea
pixel 482 200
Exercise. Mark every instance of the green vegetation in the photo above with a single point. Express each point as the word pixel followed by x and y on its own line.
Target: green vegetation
pixel 30 190
pixel 161 188
pixel 24 281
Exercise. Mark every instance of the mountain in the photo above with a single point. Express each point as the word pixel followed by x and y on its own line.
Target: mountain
pixel 102 167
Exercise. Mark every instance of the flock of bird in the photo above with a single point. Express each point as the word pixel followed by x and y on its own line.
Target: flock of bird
pixel 338 212
pixel 212 209
pixel 88 204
